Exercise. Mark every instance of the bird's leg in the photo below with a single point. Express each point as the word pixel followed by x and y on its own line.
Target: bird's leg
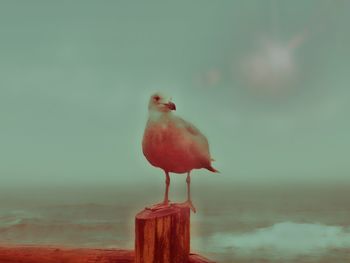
pixel 167 183
pixel 188 203
pixel 166 201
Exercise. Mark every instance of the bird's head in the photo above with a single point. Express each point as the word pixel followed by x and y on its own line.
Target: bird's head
pixel 160 103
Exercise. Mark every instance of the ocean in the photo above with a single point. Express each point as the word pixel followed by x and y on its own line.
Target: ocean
pixel 242 224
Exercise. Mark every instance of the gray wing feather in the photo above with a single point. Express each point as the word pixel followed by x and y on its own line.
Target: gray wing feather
pixel 199 138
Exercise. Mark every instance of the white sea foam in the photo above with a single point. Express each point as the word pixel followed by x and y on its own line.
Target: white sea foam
pixel 286 239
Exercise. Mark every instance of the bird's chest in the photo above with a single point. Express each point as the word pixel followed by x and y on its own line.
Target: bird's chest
pixel 161 142
pixel 160 136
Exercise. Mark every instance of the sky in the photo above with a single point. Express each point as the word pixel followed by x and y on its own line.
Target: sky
pixel 266 81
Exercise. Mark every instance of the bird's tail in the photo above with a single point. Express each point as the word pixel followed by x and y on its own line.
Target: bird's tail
pixel 212 169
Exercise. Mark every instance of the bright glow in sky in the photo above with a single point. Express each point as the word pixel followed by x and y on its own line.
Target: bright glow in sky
pixel 271 67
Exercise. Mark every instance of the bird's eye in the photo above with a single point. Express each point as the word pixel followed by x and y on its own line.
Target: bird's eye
pixel 156 98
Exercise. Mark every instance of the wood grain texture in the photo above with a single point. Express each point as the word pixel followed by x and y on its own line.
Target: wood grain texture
pixel 64 255
pixel 69 255
pixel 162 236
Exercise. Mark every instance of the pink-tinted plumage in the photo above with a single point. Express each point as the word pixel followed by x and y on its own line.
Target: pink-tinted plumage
pixel 173 144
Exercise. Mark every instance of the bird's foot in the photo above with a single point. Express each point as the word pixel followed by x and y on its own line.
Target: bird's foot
pixel 188 204
pixel 159 206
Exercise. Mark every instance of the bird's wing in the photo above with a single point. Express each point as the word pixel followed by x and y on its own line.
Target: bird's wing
pixel 200 140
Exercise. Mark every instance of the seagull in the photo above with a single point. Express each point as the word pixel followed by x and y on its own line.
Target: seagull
pixel 174 145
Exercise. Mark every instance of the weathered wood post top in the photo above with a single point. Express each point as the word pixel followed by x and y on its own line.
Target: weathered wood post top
pixel 163 236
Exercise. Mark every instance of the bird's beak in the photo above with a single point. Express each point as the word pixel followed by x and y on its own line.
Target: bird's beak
pixel 170 105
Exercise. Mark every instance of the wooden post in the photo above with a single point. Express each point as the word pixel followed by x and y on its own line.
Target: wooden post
pixel 162 236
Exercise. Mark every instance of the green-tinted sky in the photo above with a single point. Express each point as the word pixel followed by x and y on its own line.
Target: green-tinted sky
pixel 76 77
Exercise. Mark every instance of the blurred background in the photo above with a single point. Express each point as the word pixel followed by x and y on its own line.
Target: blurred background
pixel 266 81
